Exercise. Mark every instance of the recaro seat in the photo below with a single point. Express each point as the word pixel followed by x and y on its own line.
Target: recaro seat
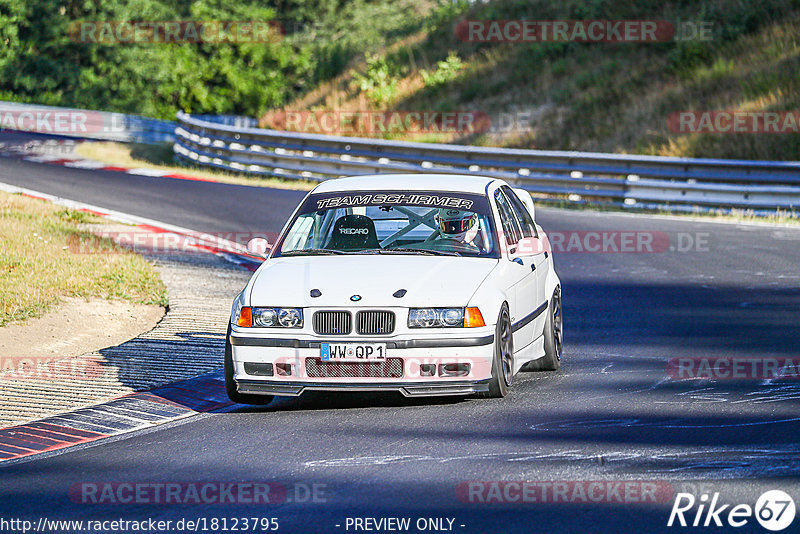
pixel 353 232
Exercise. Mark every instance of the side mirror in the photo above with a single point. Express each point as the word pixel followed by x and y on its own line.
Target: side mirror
pixel 530 246
pixel 258 246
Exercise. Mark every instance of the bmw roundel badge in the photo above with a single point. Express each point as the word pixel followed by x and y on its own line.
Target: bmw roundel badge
pixel 355 298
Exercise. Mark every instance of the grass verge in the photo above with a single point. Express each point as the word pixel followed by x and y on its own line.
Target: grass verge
pixel 160 157
pixel 39 263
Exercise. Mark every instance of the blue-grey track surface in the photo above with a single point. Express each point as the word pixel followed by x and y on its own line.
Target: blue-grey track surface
pixel 611 413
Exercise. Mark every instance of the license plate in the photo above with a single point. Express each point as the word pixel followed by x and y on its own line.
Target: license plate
pixel 353 352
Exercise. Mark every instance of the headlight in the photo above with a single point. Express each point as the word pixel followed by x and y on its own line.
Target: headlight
pixel 271 317
pixel 265 317
pixel 444 318
pixel 290 317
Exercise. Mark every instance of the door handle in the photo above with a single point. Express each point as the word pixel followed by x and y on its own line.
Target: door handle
pixel 533 266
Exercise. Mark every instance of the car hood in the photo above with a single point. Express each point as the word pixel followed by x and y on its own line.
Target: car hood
pixel 428 280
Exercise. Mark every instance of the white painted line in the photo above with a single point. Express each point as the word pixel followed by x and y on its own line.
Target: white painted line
pixel 44 158
pixel 148 172
pixel 86 164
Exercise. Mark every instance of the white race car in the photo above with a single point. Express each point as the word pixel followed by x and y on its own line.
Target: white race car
pixel 422 284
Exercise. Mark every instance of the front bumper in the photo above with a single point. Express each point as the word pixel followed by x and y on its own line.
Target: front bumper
pixel 427 389
pixel 431 365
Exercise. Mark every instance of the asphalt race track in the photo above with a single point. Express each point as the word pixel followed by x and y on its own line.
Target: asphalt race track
pixel 615 412
pixel 202 206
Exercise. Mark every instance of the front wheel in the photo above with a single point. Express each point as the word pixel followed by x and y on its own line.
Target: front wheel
pixel 230 383
pixel 503 362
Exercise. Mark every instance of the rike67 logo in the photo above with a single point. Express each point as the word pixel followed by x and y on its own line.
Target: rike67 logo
pixel 774 510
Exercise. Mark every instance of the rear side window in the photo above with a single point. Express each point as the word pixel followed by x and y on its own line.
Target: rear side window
pixel 521 212
pixel 511 228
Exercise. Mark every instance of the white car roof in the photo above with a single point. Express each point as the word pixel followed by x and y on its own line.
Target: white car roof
pixel 408 182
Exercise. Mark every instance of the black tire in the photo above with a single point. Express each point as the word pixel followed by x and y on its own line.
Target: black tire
pixel 503 361
pixel 230 383
pixel 553 337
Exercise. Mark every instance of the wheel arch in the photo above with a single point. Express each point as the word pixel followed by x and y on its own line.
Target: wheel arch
pixel 552 281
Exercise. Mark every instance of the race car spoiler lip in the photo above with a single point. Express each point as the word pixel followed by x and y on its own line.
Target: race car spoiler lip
pixel 242 341
pixel 417 389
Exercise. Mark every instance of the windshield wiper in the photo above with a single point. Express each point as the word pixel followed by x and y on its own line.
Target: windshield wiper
pixel 425 252
pixel 314 252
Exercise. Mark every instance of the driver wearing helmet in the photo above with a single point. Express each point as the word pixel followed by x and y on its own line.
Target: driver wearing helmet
pixel 457 225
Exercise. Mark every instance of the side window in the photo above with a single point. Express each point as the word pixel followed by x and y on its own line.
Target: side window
pixel 508 220
pixel 521 212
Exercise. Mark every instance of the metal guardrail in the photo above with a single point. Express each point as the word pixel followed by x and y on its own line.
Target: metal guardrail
pixel 100 125
pixel 85 124
pixel 233 143
pixel 628 180
pixel 237 121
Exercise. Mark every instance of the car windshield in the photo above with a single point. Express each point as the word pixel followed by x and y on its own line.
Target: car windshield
pixel 391 222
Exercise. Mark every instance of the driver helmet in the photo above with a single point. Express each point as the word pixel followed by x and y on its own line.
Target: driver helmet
pixel 456 224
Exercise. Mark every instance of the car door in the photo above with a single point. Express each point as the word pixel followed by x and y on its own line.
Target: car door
pixel 516 269
pixel 531 293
